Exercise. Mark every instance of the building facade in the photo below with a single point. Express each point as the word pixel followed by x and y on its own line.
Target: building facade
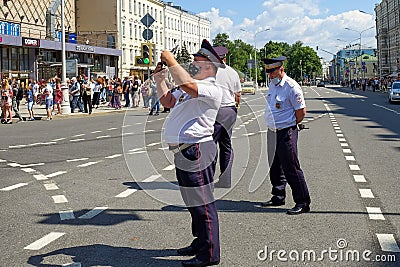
pixel 30 41
pixel 388 37
pixel 138 25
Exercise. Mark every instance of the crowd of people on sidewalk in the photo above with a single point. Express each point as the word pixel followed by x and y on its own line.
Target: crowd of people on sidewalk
pixel 372 84
pixel 84 93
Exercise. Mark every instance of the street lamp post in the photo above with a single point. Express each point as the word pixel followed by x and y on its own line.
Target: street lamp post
pixel 359 47
pixel 255 52
pixel 64 87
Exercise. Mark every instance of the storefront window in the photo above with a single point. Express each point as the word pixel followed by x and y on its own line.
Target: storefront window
pixel 4 60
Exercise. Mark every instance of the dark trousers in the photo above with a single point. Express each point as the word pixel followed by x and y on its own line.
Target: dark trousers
pixel 76 102
pixel 285 166
pixel 223 126
pixel 87 103
pixel 127 101
pixel 195 168
pixel 96 99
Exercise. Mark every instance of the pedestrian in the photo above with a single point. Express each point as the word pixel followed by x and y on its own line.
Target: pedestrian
pixel 30 101
pixel 126 89
pixel 87 95
pixel 58 96
pixel 145 90
pixel 75 92
pixel 285 109
pixel 135 92
pixel 96 92
pixel 227 79
pixel 15 89
pixel 116 94
pixel 6 102
pixel 48 92
pixel 155 102
pixel 188 132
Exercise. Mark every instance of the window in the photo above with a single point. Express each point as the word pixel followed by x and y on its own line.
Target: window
pixel 134 7
pixel 130 6
pixel 123 4
pixel 132 56
pixel 136 32
pixel 130 31
pixel 123 29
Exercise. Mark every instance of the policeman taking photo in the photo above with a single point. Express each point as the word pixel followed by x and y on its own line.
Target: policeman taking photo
pixel 284 111
pixel 188 132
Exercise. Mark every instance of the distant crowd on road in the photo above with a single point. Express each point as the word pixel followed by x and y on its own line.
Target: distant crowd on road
pixel 84 93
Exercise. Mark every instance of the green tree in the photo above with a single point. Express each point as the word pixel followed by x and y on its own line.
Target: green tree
pixel 183 56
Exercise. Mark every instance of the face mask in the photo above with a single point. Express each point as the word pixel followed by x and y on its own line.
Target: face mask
pixel 193 69
pixel 276 80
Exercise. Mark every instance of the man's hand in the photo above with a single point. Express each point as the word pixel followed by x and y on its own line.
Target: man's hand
pixel 168 58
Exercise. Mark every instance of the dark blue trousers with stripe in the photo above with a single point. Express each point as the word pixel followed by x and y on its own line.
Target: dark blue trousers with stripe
pixel 285 166
pixel 195 168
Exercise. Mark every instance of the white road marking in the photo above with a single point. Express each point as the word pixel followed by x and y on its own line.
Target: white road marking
pixel 375 213
pixel 28 170
pixel 31 165
pixel 388 243
pixel 78 135
pixel 342 139
pixel 77 140
pixel 169 168
pixel 94 212
pixel 51 187
pixel 40 177
pixel 110 129
pixel 55 174
pixel 350 158
pixel 338 131
pixel 249 134
pixel 344 144
pixel 152 178
pixel 103 136
pixel 74 264
pixel 13 164
pixel 149 131
pixel 131 133
pixel 59 139
pixel 73 160
pixel 153 144
pixel 66 215
pixel 88 164
pixel 347 151
pixel 12 187
pixel 113 156
pixel 3 160
pixel 137 152
pixel 126 193
pixel 17 146
pixel 340 135
pixel 136 149
pixel 359 178
pixel 354 167
pixel 96 132
pixel 44 241
pixel 366 193
pixel 59 199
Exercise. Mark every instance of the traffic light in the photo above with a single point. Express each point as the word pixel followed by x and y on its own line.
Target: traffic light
pixel 146 57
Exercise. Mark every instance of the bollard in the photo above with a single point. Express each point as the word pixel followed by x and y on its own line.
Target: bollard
pixel 65 105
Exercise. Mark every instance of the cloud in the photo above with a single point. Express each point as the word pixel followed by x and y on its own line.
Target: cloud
pixel 298 20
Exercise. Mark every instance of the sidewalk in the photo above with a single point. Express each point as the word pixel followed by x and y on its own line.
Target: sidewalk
pixel 39 111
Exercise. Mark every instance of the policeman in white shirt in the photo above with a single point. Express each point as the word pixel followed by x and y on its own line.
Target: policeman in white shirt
pixel 188 132
pixel 285 109
pixel 228 79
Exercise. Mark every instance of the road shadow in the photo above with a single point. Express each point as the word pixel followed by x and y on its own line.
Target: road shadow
pixel 105 255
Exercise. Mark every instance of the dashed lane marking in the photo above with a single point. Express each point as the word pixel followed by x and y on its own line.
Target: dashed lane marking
pixel 44 241
pixel 28 170
pixel 359 179
pixel 114 156
pixel 87 164
pixel 111 129
pixel 94 212
pixel 12 187
pixel 78 135
pixel 40 177
pixel 66 215
pixel 375 213
pixel 59 139
pixel 77 140
pixel 60 199
pixel 354 167
pixel 366 193
pixel 31 165
pixel 96 132
pixel 51 186
pixel 73 160
pixel 55 174
pixel 388 243
pixel 350 158
pixel 126 193
pixel 103 136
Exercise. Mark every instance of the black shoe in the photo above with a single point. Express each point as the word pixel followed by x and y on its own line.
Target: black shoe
pixel 222 185
pixel 198 263
pixel 156 114
pixel 151 113
pixel 298 209
pixel 272 203
pixel 187 251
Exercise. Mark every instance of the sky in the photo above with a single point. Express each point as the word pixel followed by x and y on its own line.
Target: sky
pixel 313 22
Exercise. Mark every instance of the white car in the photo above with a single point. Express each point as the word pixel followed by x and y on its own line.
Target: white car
pixel 394 92
pixel 248 87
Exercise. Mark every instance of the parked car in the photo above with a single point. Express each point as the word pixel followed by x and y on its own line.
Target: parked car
pixel 394 92
pixel 248 87
pixel 321 84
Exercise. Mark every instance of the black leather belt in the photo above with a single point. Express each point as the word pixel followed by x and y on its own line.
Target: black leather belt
pixel 177 148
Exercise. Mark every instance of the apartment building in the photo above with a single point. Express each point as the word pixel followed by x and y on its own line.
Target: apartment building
pixel 125 20
pixel 30 41
pixel 388 37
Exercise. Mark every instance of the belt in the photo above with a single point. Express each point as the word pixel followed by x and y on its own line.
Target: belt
pixel 178 148
pixel 280 129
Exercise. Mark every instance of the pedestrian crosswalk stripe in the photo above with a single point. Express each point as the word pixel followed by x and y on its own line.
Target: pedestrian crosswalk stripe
pixel 366 193
pixel 350 158
pixel 359 178
pixel 375 213
pixel 151 178
pixel 347 151
pixel 388 243
pixel 66 215
pixel 59 199
pixel 94 212
pixel 12 187
pixel 354 167
pixel 126 193
pixel 44 241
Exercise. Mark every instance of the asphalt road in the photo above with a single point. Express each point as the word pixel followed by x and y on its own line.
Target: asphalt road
pixel 101 190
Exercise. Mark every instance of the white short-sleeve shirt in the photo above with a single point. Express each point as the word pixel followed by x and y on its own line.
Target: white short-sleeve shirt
pixel 192 120
pixel 282 102
pixel 228 79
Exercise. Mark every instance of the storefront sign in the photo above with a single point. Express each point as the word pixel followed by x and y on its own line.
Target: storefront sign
pixel 1 39
pixel 84 48
pixel 30 42
pixel 9 28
